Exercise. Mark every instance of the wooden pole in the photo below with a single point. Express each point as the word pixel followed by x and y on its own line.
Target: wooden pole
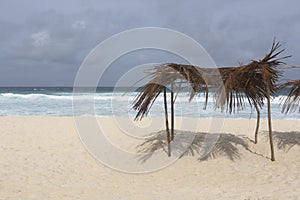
pixel 257 122
pixel 167 122
pixel 172 111
pixel 270 123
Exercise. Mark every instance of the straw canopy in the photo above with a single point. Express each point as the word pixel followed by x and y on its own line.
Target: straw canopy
pixel 163 76
pixel 291 103
pixel 253 82
pixel 175 77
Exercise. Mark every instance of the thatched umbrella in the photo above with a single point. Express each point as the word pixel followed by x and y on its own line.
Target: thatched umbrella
pixel 292 100
pixel 254 82
pixel 172 76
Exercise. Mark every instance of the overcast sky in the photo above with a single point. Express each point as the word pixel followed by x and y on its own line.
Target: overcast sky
pixel 43 43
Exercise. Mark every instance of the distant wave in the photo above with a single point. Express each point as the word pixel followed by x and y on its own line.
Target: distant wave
pixel 34 96
pixel 58 102
pixel 183 97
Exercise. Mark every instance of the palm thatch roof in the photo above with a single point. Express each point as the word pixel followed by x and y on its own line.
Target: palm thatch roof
pixel 292 101
pixel 163 76
pixel 253 82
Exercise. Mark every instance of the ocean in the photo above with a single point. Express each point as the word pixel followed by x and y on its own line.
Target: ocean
pixel 58 101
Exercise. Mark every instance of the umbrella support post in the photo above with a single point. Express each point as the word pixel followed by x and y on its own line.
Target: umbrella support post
pixel 172 112
pixel 270 126
pixel 257 123
pixel 167 122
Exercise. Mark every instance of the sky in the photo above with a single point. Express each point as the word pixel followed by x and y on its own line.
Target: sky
pixel 43 43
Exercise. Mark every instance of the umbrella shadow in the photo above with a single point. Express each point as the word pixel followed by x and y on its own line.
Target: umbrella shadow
pixel 286 140
pixel 195 144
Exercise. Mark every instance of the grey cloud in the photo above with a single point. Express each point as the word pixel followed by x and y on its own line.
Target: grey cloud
pixel 232 31
pixel 65 41
pixel 236 31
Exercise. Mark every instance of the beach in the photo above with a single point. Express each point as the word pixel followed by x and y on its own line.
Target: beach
pixel 44 158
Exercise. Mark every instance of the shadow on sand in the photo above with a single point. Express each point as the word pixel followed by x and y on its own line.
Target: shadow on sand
pixel 286 140
pixel 223 145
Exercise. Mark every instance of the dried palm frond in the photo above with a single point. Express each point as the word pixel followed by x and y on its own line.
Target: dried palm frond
pixel 292 101
pixel 253 82
pixel 163 76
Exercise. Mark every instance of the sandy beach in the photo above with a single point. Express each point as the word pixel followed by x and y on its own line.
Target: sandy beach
pixel 43 158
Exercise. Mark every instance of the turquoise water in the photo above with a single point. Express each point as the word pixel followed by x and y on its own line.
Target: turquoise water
pixel 58 101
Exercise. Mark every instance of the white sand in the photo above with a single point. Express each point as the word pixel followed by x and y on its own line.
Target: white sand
pixel 43 158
